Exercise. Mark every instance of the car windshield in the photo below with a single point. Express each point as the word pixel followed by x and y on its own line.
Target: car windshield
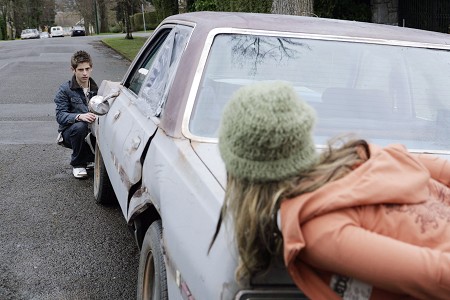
pixel 383 93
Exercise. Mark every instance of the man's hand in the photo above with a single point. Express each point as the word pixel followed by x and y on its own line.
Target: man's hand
pixel 87 117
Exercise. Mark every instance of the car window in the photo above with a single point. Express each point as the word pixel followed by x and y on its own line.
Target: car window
pixel 381 92
pixel 137 78
pixel 153 79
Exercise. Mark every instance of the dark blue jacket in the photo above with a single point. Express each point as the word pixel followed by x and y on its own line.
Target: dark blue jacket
pixel 71 101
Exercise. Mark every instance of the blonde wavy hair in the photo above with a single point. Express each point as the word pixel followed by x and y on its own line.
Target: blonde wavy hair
pixel 253 206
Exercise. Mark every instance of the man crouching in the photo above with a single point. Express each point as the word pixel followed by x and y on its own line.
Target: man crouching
pixel 73 116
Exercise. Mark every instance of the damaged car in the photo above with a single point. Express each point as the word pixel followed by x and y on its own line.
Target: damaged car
pixel 157 156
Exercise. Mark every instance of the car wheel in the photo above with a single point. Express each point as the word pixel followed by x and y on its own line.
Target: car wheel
pixel 103 191
pixel 152 281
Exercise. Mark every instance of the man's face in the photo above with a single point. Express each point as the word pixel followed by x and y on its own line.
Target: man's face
pixel 82 72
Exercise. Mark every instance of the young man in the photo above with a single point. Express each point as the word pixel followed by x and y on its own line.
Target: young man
pixel 72 113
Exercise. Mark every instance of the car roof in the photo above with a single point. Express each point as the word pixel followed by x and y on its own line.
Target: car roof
pixel 311 25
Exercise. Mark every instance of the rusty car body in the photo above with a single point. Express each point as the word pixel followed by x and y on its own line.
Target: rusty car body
pixel 157 144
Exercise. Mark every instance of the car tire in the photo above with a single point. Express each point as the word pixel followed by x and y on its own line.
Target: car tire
pixel 152 280
pixel 103 190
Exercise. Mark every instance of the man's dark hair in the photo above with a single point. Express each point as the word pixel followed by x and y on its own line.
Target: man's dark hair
pixel 80 57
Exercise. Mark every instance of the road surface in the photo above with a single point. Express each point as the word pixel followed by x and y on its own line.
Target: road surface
pixel 55 242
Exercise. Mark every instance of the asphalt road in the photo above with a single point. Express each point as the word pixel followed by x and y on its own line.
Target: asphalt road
pixel 55 242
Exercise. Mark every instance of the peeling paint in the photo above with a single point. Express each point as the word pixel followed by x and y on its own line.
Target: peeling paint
pixel 123 176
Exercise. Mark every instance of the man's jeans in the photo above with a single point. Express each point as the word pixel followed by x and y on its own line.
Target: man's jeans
pixel 74 138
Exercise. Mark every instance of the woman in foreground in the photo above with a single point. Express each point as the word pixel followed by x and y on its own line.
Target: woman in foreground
pixel 355 222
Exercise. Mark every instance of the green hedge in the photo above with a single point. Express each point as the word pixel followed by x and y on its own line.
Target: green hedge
pixel 358 10
pixel 256 6
pixel 116 28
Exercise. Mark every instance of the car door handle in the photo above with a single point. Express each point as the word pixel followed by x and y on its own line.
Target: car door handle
pixel 116 115
pixel 135 142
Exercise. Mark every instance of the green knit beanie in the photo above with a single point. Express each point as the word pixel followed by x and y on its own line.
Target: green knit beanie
pixel 266 133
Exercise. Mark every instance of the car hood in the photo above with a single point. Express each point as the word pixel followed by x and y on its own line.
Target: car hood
pixel 209 154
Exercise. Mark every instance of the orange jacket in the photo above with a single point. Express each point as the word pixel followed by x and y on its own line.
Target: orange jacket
pixel 381 232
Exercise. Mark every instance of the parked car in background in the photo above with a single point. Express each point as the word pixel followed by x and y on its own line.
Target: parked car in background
pixel 67 31
pixel 156 151
pixel 78 31
pixel 44 35
pixel 56 31
pixel 29 34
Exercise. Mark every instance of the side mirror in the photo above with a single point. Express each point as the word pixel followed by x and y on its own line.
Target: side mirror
pixel 99 105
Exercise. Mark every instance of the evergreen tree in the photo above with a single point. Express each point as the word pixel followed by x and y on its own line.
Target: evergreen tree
pixel 165 8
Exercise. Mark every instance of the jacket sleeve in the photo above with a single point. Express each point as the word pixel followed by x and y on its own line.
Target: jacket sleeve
pixel 438 167
pixel 342 247
pixel 63 114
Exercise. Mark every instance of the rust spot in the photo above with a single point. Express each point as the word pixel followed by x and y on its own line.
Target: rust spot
pixel 123 176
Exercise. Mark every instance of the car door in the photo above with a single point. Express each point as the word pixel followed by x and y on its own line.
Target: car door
pixel 133 117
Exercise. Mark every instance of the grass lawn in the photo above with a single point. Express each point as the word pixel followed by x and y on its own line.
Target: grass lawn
pixel 128 48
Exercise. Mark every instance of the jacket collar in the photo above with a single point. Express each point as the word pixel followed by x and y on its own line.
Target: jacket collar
pixel 74 84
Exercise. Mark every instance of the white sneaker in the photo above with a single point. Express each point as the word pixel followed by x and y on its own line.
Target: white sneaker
pixel 90 166
pixel 79 172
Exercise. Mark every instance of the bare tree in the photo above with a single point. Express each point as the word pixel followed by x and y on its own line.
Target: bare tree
pixel 293 7
pixel 87 9
pixel 5 11
pixel 103 14
pixel 48 13
pixel 126 8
